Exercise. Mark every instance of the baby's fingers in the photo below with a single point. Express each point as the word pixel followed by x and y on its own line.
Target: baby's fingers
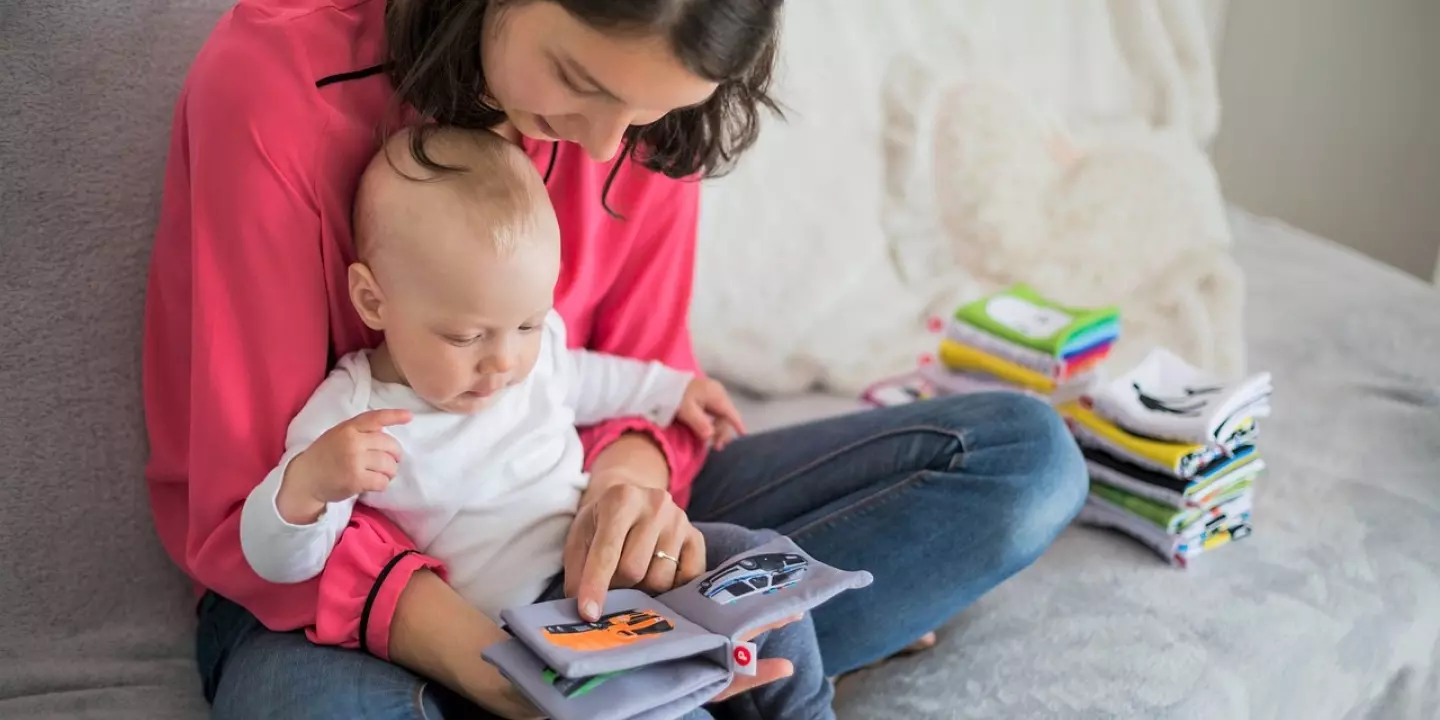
pixel 384 443
pixel 693 416
pixel 766 671
pixel 373 481
pixel 719 405
pixel 376 420
pixel 724 433
pixel 382 462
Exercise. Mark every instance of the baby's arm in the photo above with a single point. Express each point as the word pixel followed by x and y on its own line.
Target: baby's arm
pixel 607 386
pixel 292 520
pixel 603 386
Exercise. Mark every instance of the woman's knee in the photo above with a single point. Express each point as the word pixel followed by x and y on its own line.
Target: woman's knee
pixel 1034 473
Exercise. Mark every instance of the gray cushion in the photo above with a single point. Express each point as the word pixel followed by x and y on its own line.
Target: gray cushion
pixel 95 619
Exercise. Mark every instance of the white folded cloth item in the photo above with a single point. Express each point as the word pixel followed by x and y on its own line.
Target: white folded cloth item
pixel 1166 398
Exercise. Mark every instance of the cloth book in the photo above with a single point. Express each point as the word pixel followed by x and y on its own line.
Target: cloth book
pixel 1084 361
pixel 1184 460
pixel 1216 527
pixel 1166 398
pixel 934 380
pixel 1055 368
pixel 1171 520
pixel 1024 317
pixel 900 390
pixel 965 357
pixel 1168 490
pixel 954 382
pixel 966 334
pixel 660 657
pixel 945 381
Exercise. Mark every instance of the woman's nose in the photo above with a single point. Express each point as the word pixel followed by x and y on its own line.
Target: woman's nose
pixel 603 135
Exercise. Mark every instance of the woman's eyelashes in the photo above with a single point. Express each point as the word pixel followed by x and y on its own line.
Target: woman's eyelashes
pixel 574 85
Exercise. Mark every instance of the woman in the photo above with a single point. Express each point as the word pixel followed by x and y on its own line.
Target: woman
pixel 617 102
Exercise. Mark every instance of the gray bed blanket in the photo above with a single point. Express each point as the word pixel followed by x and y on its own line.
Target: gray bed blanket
pixel 1330 610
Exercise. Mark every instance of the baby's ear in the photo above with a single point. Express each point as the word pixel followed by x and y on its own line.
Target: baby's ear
pixel 365 295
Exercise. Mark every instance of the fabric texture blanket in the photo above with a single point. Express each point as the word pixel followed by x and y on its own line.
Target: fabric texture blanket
pixel 954 149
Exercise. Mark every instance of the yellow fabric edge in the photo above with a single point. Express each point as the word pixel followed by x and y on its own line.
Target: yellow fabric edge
pixel 963 357
pixel 1168 454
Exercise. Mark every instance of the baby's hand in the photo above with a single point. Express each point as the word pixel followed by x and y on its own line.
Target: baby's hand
pixel 707 410
pixel 353 457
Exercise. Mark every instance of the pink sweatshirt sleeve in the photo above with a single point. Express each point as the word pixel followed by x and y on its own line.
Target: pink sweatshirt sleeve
pixel 645 315
pixel 236 340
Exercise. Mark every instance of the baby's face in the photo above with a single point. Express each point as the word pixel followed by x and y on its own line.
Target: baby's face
pixel 467 329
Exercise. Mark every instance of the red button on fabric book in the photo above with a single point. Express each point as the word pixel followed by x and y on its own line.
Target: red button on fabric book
pixel 743 656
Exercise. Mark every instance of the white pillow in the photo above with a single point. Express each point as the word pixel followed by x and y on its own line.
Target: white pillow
pixel 806 269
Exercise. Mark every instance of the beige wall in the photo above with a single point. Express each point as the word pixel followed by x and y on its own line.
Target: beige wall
pixel 1331 121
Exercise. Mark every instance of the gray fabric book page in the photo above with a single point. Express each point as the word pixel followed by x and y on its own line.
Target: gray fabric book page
pixel 655 692
pixel 760 586
pixel 658 658
pixel 634 630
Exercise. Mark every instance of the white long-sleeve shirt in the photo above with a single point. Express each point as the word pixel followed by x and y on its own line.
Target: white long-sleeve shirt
pixel 492 494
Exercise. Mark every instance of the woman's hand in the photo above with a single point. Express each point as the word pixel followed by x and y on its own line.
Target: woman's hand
pixel 617 539
pixel 439 635
pixel 628 484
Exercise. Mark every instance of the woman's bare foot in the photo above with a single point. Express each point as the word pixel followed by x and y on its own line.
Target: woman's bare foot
pixel 925 642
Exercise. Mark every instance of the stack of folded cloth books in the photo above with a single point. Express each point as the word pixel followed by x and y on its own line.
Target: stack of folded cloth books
pixel 1172 455
pixel 1019 340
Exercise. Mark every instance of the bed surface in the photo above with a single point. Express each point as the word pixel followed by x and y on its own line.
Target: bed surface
pixel 1330 610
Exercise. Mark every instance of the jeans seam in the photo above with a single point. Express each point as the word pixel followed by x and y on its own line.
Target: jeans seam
pixel 958 459
pixel 420 700
pixel 870 503
pixel 956 435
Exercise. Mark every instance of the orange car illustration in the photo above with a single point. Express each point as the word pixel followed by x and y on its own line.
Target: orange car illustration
pixel 611 631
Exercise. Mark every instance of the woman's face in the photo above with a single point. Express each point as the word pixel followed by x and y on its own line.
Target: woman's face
pixel 559 79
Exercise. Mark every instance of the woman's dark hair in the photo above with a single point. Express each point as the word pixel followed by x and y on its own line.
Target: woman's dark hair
pixel 434 65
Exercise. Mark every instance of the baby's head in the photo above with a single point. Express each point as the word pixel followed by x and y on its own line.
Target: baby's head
pixel 458 269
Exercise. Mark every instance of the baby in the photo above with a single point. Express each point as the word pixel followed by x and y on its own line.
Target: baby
pixel 460 426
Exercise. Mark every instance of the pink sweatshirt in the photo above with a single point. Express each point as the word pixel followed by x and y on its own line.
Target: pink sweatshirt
pixel 247 295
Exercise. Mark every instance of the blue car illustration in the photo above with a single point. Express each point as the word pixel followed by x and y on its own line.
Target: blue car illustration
pixel 753 575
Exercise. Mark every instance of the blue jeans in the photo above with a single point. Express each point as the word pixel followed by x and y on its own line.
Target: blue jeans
pixel 941 501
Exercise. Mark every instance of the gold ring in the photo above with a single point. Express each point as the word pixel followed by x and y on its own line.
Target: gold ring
pixel 667 556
